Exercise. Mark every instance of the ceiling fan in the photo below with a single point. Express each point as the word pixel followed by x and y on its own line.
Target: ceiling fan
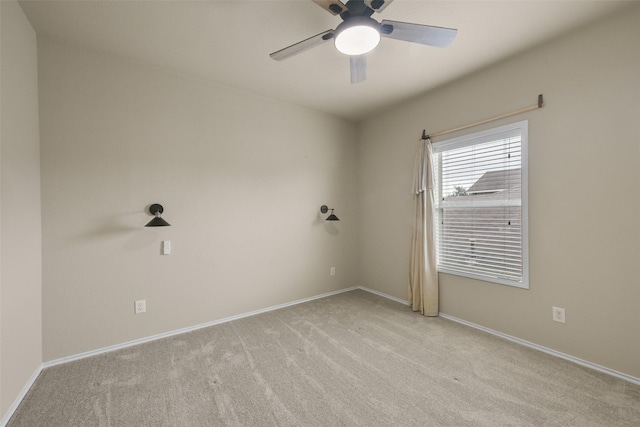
pixel 359 33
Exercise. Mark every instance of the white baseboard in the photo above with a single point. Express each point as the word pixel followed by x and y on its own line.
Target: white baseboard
pixel 300 301
pixel 186 330
pixel 382 294
pixel 21 396
pixel 547 350
pixel 102 350
pixel 517 340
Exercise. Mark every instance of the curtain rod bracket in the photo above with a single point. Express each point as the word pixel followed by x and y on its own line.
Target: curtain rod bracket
pixel 540 101
pixel 424 135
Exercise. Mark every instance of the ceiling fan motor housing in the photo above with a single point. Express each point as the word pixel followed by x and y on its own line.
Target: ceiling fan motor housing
pixel 356 8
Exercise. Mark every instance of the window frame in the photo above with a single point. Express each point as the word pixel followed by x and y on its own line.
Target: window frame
pixel 481 137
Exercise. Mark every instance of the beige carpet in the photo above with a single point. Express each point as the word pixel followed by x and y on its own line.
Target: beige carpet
pixel 353 359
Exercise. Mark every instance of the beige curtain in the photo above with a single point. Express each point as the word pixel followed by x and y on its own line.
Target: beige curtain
pixel 423 276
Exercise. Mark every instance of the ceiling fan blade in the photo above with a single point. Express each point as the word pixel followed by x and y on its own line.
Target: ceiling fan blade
pixel 378 5
pixel 417 33
pixel 334 7
pixel 358 65
pixel 299 47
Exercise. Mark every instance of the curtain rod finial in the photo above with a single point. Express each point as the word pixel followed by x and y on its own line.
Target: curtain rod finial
pixel 424 134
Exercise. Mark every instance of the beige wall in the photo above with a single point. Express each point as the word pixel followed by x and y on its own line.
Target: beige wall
pixel 20 255
pixel 584 193
pixel 241 178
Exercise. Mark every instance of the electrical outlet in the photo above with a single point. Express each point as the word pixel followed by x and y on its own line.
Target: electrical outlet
pixel 332 271
pixel 141 306
pixel 558 314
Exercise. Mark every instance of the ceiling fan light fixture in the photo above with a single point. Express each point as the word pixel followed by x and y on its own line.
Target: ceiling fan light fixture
pixel 357 36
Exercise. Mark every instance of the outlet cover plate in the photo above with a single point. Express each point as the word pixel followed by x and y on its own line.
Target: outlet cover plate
pixel 558 314
pixel 140 306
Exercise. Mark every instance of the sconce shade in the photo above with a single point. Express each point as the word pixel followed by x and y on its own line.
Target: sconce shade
pixel 157 210
pixel 332 217
pixel 324 209
pixel 157 222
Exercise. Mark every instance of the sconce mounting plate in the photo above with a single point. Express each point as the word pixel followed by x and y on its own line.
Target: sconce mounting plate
pixel 324 209
pixel 155 208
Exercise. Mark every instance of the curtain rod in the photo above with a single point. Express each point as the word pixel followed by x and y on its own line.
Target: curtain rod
pixel 540 104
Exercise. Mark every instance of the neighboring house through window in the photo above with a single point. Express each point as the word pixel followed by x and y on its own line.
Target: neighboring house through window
pixel 481 205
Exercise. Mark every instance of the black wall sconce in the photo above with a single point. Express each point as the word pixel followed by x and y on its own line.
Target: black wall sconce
pixel 324 209
pixel 157 210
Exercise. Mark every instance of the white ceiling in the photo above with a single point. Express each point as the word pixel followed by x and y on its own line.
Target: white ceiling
pixel 228 42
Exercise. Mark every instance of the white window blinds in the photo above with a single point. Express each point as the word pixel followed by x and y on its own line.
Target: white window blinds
pixel 481 205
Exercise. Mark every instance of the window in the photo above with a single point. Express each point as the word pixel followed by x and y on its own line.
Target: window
pixel 481 205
